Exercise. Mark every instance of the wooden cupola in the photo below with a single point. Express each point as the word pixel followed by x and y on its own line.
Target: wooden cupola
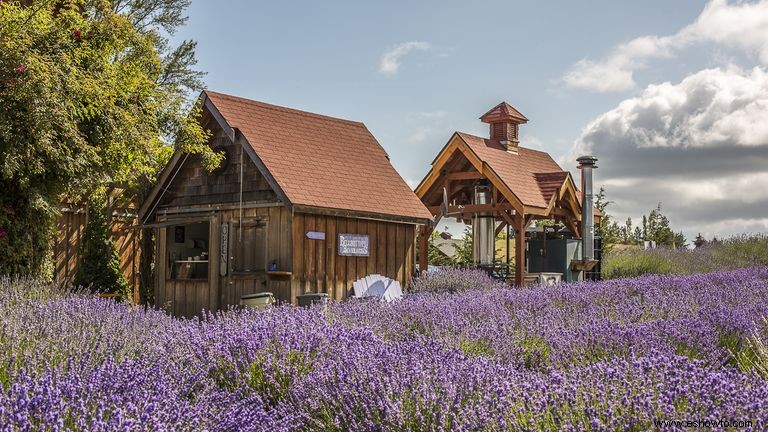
pixel 505 121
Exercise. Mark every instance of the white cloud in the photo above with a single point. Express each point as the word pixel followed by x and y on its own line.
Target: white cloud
pixel 420 134
pixel 699 146
pixel 742 26
pixel 433 114
pixel 531 141
pixel 390 61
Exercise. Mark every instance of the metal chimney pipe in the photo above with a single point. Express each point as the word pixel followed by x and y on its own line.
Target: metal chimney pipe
pixel 483 239
pixel 586 165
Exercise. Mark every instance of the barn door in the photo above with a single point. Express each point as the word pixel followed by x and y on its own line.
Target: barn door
pixel 247 259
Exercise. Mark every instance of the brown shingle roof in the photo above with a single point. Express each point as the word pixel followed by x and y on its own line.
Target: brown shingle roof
pixel 530 174
pixel 321 161
pixel 503 111
pixel 550 183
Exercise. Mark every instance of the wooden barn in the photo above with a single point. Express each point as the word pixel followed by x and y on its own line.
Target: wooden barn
pixel 303 203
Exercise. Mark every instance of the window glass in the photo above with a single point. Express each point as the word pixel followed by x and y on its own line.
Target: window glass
pixel 188 248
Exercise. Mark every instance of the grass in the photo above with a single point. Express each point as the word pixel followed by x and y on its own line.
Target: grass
pixel 736 252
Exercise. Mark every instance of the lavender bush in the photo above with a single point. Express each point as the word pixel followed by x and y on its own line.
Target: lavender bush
pixel 736 252
pixel 616 355
pixel 452 280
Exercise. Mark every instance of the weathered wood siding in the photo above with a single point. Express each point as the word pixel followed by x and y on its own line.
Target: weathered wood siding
pixel 317 267
pixel 193 185
pixel 190 297
pixel 278 249
pixel 71 229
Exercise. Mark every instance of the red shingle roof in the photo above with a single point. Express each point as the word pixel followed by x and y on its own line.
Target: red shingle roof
pixel 530 174
pixel 550 183
pixel 503 111
pixel 321 161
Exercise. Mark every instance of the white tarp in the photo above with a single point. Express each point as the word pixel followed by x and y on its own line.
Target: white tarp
pixel 378 286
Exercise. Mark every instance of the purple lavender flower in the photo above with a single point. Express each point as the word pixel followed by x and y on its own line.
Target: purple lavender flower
pixel 615 355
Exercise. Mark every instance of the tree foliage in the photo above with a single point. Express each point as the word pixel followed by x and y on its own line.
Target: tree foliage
pixel 464 248
pixel 91 93
pixel 99 265
pixel 436 256
pixel 655 227
pixel 608 230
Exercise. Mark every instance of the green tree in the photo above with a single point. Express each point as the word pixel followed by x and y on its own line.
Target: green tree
pixel 91 93
pixel 657 228
pixel 699 241
pixel 436 257
pixel 627 235
pixel 608 230
pixel 645 228
pixel 638 235
pixel 99 265
pixel 680 241
pixel 464 248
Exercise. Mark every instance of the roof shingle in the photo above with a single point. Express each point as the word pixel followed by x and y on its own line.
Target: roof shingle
pixel 532 175
pixel 321 161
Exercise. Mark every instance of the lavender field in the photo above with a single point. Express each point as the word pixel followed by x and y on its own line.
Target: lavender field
pixel 616 355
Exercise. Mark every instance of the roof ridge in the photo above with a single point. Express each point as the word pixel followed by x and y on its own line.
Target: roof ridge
pixel 519 146
pixel 285 109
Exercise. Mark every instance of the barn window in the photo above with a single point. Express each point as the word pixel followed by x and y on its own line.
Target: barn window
pixel 188 250
pixel 249 246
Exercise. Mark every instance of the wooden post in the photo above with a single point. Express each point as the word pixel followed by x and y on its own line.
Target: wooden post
pixel 423 248
pixel 519 249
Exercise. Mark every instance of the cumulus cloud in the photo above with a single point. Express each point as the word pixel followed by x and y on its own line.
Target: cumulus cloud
pixel 699 146
pixel 390 60
pixel 742 26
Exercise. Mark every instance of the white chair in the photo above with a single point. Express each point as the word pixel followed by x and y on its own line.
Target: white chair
pixel 378 286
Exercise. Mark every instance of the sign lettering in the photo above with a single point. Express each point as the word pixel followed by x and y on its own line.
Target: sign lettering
pixel 224 262
pixel 354 245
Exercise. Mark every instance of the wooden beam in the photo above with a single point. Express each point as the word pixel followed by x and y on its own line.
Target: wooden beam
pixel 519 249
pixel 528 219
pixel 508 218
pixel 147 207
pixel 501 226
pixel 360 215
pixel 437 166
pixel 473 208
pixel 423 248
pixel 467 175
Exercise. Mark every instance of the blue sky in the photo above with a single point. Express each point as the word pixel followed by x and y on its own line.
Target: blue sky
pixel 414 72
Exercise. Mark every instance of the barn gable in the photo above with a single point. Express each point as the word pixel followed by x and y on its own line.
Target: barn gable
pixel 193 185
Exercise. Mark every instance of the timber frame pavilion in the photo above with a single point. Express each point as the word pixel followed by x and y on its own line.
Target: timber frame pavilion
pixel 525 184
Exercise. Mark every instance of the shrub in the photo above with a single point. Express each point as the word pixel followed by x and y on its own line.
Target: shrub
pixel 99 264
pixel 452 280
pixel 614 355
pixel 733 253
pixel 26 232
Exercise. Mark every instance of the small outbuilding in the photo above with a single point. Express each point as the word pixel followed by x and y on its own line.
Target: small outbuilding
pixel 494 183
pixel 303 203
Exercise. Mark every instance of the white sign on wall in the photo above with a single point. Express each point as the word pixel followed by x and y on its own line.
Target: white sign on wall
pixel 354 245
pixel 315 235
